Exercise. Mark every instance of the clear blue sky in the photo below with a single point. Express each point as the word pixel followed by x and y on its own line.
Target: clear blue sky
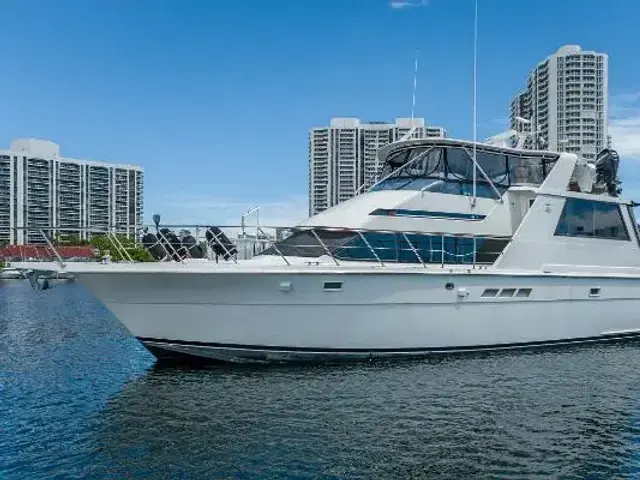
pixel 215 98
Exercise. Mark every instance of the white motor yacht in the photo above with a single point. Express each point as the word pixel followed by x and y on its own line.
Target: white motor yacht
pixel 444 253
pixel 10 274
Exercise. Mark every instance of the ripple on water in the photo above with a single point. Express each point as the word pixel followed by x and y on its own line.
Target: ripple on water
pixel 81 398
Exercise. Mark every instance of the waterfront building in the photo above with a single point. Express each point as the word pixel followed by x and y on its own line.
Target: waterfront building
pixel 39 189
pixel 566 102
pixel 343 156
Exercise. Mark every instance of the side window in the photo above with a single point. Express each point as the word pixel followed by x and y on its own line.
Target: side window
pixel 576 219
pixel 608 222
pixel 585 218
pixel 459 165
pixel 495 166
pixel 525 170
pixel 417 168
pixel 634 224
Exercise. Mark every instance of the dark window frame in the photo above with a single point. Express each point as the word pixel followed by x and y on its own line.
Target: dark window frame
pixel 391 247
pixel 394 168
pixel 571 211
pixel 634 224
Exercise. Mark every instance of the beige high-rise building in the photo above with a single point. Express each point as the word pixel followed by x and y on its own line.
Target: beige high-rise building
pixel 39 189
pixel 566 101
pixel 343 156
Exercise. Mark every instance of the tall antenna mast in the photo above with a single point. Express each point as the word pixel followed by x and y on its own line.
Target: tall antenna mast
pixel 415 85
pixel 475 98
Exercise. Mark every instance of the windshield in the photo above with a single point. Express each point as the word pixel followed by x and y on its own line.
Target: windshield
pixel 450 170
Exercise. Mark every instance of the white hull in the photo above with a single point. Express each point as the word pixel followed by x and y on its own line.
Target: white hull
pixel 544 255
pixel 281 316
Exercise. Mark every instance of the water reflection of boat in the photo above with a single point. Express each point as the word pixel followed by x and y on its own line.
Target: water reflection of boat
pixel 472 417
pixel 59 275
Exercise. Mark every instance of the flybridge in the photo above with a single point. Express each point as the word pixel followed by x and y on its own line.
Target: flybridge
pixel 447 166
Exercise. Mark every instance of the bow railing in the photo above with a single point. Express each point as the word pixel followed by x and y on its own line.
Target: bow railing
pixel 230 243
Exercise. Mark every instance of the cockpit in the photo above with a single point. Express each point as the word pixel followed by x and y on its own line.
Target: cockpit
pixel 447 167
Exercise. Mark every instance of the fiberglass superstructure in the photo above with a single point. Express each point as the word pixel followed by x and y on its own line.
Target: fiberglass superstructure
pixel 428 206
pixel 423 205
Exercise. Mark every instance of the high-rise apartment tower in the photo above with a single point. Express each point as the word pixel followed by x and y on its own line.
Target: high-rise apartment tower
pixel 566 102
pixel 343 156
pixel 41 190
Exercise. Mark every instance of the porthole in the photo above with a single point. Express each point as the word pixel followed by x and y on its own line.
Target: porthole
pixel 523 292
pixel 507 292
pixel 449 286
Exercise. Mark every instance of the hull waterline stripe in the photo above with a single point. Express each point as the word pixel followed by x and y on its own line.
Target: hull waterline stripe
pixel 495 346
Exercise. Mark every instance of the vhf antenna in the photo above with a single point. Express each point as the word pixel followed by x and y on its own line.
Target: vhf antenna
pixel 475 98
pixel 415 85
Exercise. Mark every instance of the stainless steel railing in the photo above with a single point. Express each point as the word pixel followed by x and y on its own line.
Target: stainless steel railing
pixel 379 246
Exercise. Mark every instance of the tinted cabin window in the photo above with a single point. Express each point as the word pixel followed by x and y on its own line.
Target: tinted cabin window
pixel 634 224
pixel 528 171
pixel 305 244
pixel 462 188
pixel 417 168
pixel 585 218
pixel 459 165
pixel 494 166
pixel 391 247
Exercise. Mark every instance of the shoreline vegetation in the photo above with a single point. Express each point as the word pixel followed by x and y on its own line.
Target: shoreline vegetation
pixel 104 246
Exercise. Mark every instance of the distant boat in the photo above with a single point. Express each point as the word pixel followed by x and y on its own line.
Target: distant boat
pixel 10 274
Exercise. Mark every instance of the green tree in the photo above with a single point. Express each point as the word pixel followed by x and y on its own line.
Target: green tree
pixel 69 240
pixel 105 246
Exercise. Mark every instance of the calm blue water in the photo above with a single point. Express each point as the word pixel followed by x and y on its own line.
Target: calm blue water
pixel 80 399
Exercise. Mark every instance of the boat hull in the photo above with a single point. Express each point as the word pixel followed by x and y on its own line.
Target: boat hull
pixel 264 317
pixel 167 351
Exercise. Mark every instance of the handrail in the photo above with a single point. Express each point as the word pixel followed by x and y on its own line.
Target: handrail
pixel 119 247
pixel 55 252
pixel 140 229
pixel 406 239
pixel 428 248
pixel 170 245
pixel 366 242
pixel 317 237
pixel 229 254
pixel 482 172
pixel 420 156
pixel 275 247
